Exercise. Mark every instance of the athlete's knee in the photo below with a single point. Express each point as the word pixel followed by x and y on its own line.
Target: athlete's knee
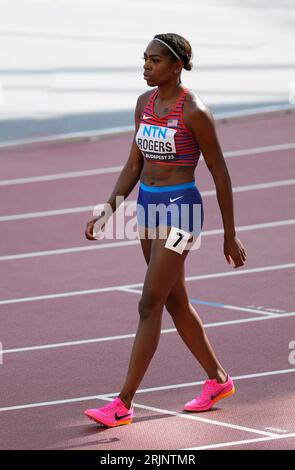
pixel 176 304
pixel 150 304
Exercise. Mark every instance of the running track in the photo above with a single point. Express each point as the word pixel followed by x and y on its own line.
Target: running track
pixel 68 307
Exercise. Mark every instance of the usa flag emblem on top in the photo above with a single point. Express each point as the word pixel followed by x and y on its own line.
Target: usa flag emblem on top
pixel 172 122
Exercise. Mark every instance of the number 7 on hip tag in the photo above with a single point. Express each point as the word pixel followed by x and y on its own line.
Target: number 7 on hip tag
pixel 177 240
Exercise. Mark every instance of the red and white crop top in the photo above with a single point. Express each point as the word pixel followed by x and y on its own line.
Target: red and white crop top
pixel 167 140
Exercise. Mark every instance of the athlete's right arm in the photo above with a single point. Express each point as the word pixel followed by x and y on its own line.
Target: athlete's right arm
pixel 129 175
pixel 131 171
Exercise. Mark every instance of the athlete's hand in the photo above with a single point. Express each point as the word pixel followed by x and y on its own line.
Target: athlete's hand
pixel 234 251
pixel 89 228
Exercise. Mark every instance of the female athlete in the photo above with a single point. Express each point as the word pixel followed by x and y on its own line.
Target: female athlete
pixel 172 127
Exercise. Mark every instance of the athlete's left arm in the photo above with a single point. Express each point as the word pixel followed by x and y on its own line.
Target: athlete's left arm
pixel 201 123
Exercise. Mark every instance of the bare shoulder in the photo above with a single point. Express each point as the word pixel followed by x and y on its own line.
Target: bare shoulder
pixel 143 98
pixel 199 120
pixel 146 94
pixel 194 105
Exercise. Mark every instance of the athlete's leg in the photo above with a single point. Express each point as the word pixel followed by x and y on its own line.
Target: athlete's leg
pixel 162 273
pixel 190 328
pixel 188 323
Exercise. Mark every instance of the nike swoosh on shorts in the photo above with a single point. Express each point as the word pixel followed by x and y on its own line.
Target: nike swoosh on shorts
pixel 175 199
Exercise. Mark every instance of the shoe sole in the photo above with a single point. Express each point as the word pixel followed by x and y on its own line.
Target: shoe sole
pixel 121 423
pixel 215 400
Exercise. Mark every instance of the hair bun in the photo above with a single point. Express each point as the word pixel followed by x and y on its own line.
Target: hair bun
pixel 188 65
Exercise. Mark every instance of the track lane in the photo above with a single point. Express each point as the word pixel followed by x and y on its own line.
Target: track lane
pixel 48 374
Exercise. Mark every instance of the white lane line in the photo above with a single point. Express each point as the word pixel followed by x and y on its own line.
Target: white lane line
pixel 254 187
pixel 104 246
pixel 237 273
pixel 250 310
pixel 59 176
pixel 72 343
pixel 192 384
pixel 219 305
pixel 127 289
pixel 63 251
pixel 243 228
pixel 192 417
pixel 51 213
pixel 146 390
pixel 115 169
pixel 282 431
pixel 71 210
pixel 63 294
pixel 140 284
pixel 264 149
pixel 52 403
pixel 243 442
pixel 132 335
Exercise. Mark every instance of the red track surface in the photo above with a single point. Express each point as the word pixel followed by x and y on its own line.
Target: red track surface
pixel 45 390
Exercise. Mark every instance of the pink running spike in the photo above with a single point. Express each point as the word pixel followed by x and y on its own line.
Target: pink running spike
pixel 212 392
pixel 111 415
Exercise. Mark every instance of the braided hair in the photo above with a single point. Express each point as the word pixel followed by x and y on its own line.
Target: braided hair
pixel 180 45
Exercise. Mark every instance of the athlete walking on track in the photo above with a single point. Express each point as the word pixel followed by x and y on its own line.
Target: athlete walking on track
pixel 172 127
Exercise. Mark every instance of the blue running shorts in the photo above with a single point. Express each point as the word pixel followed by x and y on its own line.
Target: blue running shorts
pixel 178 205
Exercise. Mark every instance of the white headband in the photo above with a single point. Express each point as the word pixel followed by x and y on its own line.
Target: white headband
pixel 156 39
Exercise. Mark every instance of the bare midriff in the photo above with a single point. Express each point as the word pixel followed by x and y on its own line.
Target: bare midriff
pixel 154 174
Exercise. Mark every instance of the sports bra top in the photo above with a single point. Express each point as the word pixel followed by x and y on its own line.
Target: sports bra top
pixel 167 140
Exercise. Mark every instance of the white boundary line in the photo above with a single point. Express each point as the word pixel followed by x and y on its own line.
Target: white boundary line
pixel 115 169
pixel 144 390
pixel 205 420
pixel 71 210
pixel 53 212
pixel 243 442
pixel 224 306
pixel 104 246
pixel 140 284
pixel 246 309
pixel 132 335
pixel 132 291
pixel 271 436
pixel 192 384
pixel 59 176
pixel 263 149
pixel 268 435
pixel 63 251
pixel 255 187
pixel 117 131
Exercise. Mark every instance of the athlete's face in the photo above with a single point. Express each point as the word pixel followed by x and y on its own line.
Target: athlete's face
pixel 158 67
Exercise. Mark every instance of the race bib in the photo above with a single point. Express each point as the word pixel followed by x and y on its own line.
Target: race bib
pixel 156 143
pixel 177 240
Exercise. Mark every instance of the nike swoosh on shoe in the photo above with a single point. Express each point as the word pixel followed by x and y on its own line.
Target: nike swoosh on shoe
pixel 214 396
pixel 121 417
